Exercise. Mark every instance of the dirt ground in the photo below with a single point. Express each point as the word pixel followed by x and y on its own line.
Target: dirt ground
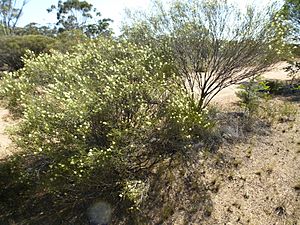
pixel 227 95
pixel 264 189
pixel 264 186
pixel 6 121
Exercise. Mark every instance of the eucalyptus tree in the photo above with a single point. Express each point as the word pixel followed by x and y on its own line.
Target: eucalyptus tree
pixel 80 15
pixel 10 13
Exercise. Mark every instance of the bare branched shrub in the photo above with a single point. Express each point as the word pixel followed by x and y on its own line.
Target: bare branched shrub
pixel 212 44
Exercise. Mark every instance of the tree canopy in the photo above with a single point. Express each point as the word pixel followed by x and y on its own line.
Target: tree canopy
pixel 81 15
pixel 10 13
pixel 290 12
pixel 213 44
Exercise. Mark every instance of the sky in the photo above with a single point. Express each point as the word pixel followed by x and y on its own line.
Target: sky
pixel 36 10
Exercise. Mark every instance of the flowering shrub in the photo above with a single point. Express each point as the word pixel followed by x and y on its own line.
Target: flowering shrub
pixel 104 112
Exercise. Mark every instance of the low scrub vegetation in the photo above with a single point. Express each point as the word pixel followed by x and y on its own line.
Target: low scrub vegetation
pixel 13 49
pixel 107 112
pixel 116 120
pixel 255 97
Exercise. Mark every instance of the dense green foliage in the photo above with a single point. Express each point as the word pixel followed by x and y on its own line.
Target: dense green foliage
pixel 13 49
pixel 77 22
pixel 35 29
pixel 107 108
pixel 66 41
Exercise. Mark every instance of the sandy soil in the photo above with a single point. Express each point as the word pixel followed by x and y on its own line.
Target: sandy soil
pixel 264 188
pixel 6 148
pixel 227 95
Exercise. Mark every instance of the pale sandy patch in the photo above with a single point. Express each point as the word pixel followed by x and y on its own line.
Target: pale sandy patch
pixel 6 121
pixel 228 96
